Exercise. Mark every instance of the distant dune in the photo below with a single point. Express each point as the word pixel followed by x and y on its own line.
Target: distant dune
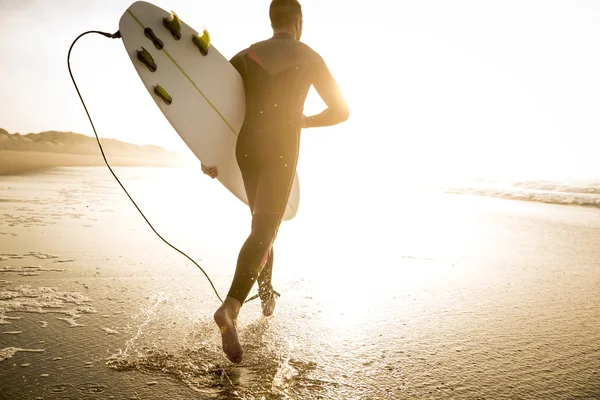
pixel 33 151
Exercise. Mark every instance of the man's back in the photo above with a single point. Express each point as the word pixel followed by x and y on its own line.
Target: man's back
pixel 278 74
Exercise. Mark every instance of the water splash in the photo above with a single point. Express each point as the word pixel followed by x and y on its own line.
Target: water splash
pixel 283 377
pixel 149 314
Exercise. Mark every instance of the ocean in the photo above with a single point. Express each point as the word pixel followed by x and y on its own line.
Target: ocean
pixel 581 192
pixel 489 290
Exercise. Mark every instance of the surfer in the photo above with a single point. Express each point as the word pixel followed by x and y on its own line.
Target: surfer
pixel 277 74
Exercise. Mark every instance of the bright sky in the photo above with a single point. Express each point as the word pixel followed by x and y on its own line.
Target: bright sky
pixel 435 88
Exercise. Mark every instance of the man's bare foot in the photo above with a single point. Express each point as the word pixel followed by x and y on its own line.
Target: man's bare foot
pixel 226 319
pixel 268 304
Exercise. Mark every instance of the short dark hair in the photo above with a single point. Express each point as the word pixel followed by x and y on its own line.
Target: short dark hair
pixel 284 12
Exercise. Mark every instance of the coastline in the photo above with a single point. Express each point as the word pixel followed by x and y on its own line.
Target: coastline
pixel 15 162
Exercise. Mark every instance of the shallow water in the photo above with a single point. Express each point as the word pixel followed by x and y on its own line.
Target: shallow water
pixel 443 296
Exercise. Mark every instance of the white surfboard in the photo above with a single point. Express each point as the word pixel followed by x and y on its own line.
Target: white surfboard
pixel 200 93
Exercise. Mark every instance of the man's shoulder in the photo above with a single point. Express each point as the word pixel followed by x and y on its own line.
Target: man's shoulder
pixel 310 52
pixel 245 51
pixel 297 47
pixel 306 47
pixel 240 53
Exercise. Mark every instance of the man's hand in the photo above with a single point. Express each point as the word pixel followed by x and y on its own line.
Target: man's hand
pixel 210 171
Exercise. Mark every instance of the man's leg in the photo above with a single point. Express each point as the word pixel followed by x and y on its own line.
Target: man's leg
pixel 264 279
pixel 265 287
pixel 273 196
pixel 226 315
pixel 263 233
pixel 268 184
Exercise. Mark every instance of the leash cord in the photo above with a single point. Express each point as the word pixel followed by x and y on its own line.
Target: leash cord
pixel 117 35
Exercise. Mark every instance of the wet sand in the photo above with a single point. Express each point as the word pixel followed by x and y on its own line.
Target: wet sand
pixel 447 297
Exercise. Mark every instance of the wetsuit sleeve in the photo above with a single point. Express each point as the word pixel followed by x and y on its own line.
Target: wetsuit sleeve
pixel 327 87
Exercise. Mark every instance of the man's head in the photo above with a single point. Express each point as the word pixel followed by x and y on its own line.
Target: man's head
pixel 286 15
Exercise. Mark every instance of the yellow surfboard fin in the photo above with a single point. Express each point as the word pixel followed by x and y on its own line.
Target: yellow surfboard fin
pixel 162 93
pixel 147 59
pixel 202 42
pixel 173 24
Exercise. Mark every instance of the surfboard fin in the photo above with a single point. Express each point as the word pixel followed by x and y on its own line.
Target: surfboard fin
pixel 147 59
pixel 173 24
pixel 202 42
pixel 149 33
pixel 162 93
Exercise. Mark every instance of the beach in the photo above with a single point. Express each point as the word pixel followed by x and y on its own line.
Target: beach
pixel 33 152
pixel 429 295
pixel 19 162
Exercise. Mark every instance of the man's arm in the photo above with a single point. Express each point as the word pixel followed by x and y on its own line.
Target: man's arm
pixel 337 110
pixel 238 63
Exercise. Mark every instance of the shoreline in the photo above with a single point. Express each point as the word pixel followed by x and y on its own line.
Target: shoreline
pixel 15 162
pixel 567 199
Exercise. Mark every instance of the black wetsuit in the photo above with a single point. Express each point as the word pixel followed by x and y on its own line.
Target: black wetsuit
pixel 277 75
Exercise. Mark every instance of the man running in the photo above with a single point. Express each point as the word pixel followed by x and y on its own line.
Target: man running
pixel 277 74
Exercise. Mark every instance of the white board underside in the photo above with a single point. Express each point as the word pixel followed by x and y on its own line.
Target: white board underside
pixel 208 104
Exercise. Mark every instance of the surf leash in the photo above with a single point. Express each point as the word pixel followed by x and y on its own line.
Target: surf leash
pixel 117 35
